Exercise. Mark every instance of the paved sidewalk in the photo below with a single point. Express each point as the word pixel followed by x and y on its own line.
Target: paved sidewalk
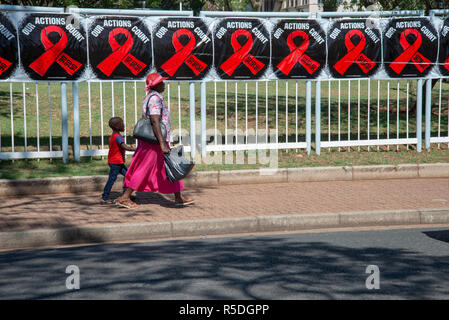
pixel 224 202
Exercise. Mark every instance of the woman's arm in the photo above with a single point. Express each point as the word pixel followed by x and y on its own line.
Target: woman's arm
pixel 155 122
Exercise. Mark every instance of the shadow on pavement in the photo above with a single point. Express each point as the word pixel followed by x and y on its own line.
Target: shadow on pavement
pixel 442 235
pixel 276 267
pixel 67 210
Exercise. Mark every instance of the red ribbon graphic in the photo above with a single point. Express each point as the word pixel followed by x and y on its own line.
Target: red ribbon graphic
pixel 183 54
pixel 120 53
pixel 297 54
pixel 354 54
pixel 54 53
pixel 446 64
pixel 4 65
pixel 241 54
pixel 410 53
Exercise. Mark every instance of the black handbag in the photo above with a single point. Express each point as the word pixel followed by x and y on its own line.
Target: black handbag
pixel 177 167
pixel 143 130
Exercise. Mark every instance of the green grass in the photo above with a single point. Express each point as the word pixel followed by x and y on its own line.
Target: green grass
pixel 353 114
pixel 43 168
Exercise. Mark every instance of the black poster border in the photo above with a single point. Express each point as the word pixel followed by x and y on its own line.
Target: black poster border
pixel 16 63
pixel 372 71
pixel 323 65
pixel 32 74
pixel 203 74
pixel 386 64
pixel 245 76
pixel 97 74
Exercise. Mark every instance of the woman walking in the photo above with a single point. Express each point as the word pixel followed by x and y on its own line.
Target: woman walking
pixel 147 169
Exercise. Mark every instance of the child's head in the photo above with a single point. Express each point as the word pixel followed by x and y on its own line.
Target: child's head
pixel 116 123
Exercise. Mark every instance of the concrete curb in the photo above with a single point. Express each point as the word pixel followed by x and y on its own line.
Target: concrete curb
pixel 179 229
pixel 77 185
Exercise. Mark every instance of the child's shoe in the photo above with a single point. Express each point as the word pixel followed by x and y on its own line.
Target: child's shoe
pixel 107 201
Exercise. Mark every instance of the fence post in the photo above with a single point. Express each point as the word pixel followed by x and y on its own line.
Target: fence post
pixel 65 130
pixel 309 116
pixel 203 119
pixel 318 117
pixel 76 122
pixel 192 120
pixel 428 112
pixel 419 116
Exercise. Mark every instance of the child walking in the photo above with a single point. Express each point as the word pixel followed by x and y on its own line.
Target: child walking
pixel 116 155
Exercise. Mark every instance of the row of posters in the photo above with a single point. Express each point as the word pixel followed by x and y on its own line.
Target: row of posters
pixel 63 47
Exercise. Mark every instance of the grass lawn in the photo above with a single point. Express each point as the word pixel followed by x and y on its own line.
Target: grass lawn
pixel 97 166
pixel 348 110
pixel 343 113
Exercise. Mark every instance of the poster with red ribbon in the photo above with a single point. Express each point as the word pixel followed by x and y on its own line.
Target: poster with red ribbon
pixel 119 48
pixel 443 57
pixel 354 49
pixel 8 47
pixel 298 49
pixel 52 46
pixel 241 48
pixel 410 47
pixel 184 48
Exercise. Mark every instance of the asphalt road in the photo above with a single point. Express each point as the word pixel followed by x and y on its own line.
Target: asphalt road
pixel 412 264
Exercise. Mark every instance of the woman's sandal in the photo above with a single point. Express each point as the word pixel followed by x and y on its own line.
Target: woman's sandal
pixel 184 202
pixel 126 203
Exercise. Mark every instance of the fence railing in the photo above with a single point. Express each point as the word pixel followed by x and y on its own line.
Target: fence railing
pixel 373 118
pixel 232 115
pixel 93 104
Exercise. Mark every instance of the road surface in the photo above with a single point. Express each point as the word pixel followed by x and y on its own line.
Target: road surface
pixel 411 264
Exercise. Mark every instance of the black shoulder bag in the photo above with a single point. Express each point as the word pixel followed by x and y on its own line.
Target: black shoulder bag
pixel 143 130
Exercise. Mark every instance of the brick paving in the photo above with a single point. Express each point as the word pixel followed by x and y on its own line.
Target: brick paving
pixel 67 210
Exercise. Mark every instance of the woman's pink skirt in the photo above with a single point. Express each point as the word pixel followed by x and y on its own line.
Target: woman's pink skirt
pixel 147 171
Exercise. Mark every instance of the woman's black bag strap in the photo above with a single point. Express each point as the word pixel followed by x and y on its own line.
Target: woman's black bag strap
pixel 147 115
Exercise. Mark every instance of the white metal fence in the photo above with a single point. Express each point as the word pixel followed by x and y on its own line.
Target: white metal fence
pixel 380 116
pixel 41 120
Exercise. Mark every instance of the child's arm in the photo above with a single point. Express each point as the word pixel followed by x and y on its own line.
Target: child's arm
pixel 123 145
pixel 126 147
